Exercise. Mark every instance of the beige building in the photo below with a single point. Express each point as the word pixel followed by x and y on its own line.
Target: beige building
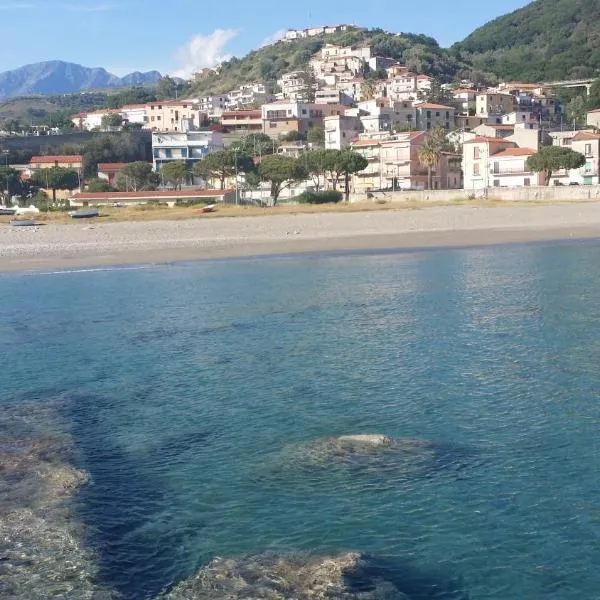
pixel 394 164
pixel 174 115
pixel 477 154
pixel 280 118
pixel 593 118
pixel 242 121
pixel 430 114
pixel 494 104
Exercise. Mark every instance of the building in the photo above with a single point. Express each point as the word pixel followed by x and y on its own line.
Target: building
pixel 382 114
pixel 493 104
pixel 465 101
pixel 130 113
pixel 493 130
pixel 508 168
pixel 190 146
pixel 280 117
pixel 333 96
pixel 394 164
pixel 109 171
pixel 477 154
pixel 213 106
pixel 293 86
pixel 297 34
pixel 588 144
pixel 430 114
pixel 522 118
pixel 65 161
pixel 248 95
pixel 242 121
pixel 340 131
pixel 593 118
pixel 174 115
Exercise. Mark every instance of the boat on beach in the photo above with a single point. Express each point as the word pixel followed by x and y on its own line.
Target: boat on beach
pixel 23 223
pixel 5 210
pixel 208 208
pixel 84 214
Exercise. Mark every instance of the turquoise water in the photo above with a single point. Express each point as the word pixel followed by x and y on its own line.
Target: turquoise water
pixel 182 385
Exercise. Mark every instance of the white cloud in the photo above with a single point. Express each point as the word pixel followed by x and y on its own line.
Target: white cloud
pixel 275 37
pixel 203 51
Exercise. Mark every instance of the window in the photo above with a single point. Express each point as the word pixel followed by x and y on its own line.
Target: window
pixel 437 114
pixel 160 107
pixel 152 118
pixel 447 114
pixel 476 153
pixel 496 183
pixel 526 182
pixel 429 114
pixel 158 118
pixel 272 125
pixel 588 149
pixel 476 169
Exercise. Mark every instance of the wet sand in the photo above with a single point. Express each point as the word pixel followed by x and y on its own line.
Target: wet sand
pixel 97 243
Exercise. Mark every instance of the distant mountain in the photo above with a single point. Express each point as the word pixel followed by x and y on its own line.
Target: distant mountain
pixel 58 77
pixel 546 40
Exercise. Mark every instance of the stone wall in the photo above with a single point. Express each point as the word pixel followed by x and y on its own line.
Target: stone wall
pixel 574 193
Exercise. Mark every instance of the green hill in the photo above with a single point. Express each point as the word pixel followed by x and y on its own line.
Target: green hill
pixel 419 52
pixel 546 40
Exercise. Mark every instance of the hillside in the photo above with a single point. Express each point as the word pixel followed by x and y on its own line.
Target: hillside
pixel 546 40
pixel 58 77
pixel 420 52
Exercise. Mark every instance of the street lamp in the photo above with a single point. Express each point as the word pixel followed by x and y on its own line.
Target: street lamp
pixel 6 153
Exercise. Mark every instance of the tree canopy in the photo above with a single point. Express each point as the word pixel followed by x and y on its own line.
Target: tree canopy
pixel 223 164
pixel 137 176
pixel 175 173
pixel 550 159
pixel 55 178
pixel 10 181
pixel 282 172
pixel 255 144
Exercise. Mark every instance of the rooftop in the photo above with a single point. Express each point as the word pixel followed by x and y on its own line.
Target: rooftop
pixel 515 152
pixel 54 158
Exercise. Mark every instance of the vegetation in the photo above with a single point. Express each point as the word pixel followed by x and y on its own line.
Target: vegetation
pixel 111 120
pixel 316 136
pixel 175 173
pixel 95 184
pixel 282 172
pixel 325 197
pixel 10 181
pixel 419 52
pixel 255 145
pixel 109 148
pixel 546 40
pixel 223 164
pixel 55 178
pixel 137 176
pixel 553 158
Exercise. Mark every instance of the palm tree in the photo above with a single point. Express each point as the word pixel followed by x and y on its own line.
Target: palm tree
pixel 430 154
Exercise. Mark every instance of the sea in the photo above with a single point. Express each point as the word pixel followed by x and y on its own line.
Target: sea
pixel 186 388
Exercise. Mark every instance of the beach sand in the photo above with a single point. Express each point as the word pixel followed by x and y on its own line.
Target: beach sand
pixel 97 243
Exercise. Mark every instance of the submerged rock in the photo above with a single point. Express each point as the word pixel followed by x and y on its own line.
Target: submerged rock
pixel 368 449
pixel 292 577
pixel 42 549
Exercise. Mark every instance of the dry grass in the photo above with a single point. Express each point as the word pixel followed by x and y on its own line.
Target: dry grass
pixel 163 213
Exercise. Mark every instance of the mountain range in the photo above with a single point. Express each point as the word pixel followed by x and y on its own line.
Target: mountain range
pixel 545 40
pixel 59 77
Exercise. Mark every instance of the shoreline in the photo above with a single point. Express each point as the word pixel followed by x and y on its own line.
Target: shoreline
pixel 96 244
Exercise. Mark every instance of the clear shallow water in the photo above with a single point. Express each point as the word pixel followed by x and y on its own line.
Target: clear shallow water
pixel 182 385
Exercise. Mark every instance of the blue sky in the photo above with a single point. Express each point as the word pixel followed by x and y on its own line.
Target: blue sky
pixel 177 36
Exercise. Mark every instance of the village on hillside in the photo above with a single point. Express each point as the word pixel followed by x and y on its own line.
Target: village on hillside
pixel 413 132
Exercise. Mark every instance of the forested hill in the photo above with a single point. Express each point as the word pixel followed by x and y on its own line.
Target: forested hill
pixel 546 40
pixel 419 52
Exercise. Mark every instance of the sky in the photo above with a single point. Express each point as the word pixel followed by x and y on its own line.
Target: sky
pixel 181 36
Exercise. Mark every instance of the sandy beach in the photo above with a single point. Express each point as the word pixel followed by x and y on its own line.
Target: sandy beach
pixel 97 243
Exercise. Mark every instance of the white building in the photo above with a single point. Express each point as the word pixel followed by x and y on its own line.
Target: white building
pixel 340 130
pixel 247 95
pixel 292 86
pixel 190 146
pixel 381 114
pixel 213 106
pixel 508 168
pixel 522 118
pixel 332 96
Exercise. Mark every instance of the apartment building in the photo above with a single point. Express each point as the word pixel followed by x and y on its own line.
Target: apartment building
pixel 213 106
pixel 508 168
pixel 190 146
pixel 382 114
pixel 283 117
pixel 333 96
pixel 174 115
pixel 242 121
pixel 493 104
pixel 464 100
pixel 394 164
pixel 430 114
pixel 247 95
pixel 523 118
pixel 298 34
pixel 587 143
pixel 341 130
pixel 477 154
pixel 292 86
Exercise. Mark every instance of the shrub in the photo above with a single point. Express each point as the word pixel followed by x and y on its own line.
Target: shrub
pixel 326 197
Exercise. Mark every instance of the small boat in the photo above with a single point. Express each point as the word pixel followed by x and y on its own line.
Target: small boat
pixel 84 214
pixel 208 208
pixel 23 223
pixel 7 211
